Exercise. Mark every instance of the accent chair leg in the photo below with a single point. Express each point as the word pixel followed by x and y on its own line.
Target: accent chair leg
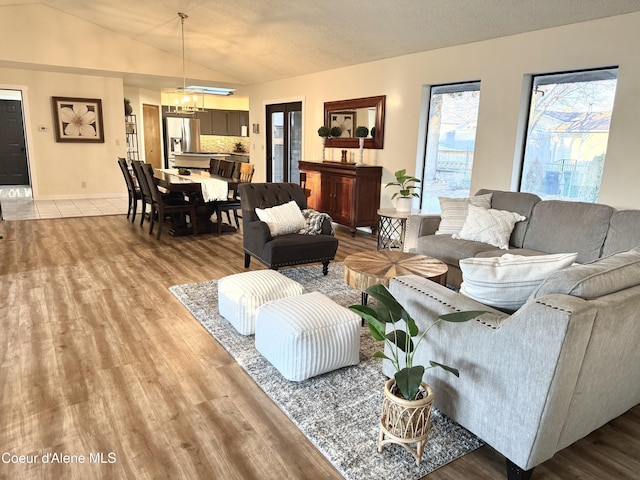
pixel 247 260
pixel 514 472
pixel 325 268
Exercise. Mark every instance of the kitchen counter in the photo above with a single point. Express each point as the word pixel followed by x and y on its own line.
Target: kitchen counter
pixel 197 160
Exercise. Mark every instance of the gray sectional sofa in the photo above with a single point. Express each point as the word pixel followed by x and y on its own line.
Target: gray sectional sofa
pixel 565 363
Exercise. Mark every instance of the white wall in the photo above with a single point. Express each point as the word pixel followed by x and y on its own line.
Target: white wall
pixel 502 66
pixel 58 170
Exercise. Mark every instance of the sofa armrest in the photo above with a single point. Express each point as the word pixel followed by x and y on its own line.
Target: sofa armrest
pixel 327 227
pixel 419 226
pixel 518 373
pixel 255 235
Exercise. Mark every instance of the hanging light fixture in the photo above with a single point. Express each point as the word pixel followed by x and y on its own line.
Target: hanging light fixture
pixel 183 100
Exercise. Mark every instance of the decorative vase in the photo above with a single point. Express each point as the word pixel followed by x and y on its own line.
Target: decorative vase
pixel 361 143
pixel 324 142
pixel 128 109
pixel 406 422
pixel 403 204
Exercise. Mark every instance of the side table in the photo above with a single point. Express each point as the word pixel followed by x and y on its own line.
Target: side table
pixel 392 227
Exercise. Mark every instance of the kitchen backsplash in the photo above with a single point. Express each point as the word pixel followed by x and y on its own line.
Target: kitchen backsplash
pixel 220 144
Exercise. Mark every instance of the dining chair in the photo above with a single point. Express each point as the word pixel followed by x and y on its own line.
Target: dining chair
pixel 132 189
pixel 214 164
pixel 233 204
pixel 163 205
pixel 226 168
pixel 144 189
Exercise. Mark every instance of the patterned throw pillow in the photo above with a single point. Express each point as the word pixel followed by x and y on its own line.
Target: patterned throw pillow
pixel 455 211
pixel 507 282
pixel 489 226
pixel 282 219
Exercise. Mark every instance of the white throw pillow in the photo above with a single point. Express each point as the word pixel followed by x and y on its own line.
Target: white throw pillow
pixel 508 281
pixel 454 212
pixel 282 219
pixel 489 226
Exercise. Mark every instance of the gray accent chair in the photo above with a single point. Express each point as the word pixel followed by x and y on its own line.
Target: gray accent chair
pixel 283 250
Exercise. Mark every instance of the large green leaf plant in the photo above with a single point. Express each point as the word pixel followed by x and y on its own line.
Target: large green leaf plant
pixel 389 310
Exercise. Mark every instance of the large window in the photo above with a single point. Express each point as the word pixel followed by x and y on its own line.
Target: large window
pixel 451 139
pixel 567 134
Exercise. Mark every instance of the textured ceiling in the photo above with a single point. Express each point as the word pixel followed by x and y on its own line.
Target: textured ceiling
pixel 260 40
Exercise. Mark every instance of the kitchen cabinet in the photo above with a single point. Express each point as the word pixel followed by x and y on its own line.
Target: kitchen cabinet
pixel 223 122
pixel 349 194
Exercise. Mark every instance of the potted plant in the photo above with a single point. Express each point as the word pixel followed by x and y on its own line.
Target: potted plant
pixel 324 132
pixel 361 133
pixel 239 147
pixel 336 132
pixel 407 190
pixel 408 399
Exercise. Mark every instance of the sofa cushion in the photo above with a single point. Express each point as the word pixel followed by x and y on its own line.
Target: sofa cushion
pixel 514 251
pixel 558 226
pixel 592 280
pixel 624 232
pixel 282 219
pixel 520 202
pixel 454 212
pixel 489 226
pixel 506 282
pixel 450 250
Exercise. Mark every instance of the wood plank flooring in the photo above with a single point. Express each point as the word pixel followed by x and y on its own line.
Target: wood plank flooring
pixel 97 357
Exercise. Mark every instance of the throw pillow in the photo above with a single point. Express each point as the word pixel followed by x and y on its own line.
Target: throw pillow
pixel 282 219
pixel 489 226
pixel 506 282
pixel 454 212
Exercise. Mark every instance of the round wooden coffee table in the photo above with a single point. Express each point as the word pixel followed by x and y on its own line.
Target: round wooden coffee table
pixel 365 269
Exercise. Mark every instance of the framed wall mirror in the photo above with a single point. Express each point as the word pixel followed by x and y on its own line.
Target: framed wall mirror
pixel 350 114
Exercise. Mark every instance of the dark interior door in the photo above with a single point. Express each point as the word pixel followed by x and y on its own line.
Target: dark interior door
pixel 13 152
pixel 284 142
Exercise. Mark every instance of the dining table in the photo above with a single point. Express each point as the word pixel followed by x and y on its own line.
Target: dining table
pixel 202 188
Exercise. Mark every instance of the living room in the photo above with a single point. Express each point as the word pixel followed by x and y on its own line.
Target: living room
pixel 66 271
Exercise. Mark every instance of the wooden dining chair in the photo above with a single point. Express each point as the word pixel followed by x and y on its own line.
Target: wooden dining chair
pixel 133 190
pixel 226 168
pixel 144 189
pixel 233 204
pixel 163 205
pixel 214 165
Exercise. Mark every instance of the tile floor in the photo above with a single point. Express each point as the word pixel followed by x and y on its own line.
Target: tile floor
pixel 18 204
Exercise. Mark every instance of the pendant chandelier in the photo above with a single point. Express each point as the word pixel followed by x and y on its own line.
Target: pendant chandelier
pixel 183 100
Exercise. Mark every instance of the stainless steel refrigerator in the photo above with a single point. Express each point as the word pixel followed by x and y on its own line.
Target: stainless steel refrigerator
pixel 182 135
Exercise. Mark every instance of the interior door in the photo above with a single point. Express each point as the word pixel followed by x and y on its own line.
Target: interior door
pixel 14 169
pixel 284 142
pixel 152 142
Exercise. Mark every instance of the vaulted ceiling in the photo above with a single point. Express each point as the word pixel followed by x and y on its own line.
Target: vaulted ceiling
pixel 255 41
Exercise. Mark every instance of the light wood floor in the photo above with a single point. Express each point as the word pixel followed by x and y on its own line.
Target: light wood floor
pixel 96 356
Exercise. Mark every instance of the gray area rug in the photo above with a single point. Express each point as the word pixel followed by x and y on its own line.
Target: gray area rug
pixel 323 407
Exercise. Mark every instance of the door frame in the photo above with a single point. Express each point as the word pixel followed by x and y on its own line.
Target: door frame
pixel 277 101
pixel 26 118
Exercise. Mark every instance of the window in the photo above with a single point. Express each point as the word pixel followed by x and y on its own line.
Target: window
pixel 567 134
pixel 451 138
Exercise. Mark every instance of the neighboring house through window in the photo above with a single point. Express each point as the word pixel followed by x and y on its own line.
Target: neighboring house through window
pixel 567 134
pixel 450 143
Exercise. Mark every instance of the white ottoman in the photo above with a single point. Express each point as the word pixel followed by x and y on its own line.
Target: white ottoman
pixel 241 294
pixel 307 335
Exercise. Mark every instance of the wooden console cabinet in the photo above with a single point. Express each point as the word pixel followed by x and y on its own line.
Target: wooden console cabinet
pixel 350 194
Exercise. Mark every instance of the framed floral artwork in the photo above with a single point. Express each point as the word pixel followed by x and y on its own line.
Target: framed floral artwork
pixel 78 119
pixel 346 121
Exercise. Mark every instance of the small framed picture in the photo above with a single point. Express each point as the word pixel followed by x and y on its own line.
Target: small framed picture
pixel 78 119
pixel 346 121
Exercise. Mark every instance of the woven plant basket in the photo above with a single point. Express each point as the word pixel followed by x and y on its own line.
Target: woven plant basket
pixel 406 422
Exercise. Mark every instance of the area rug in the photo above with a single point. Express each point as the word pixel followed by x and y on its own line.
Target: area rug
pixel 323 407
